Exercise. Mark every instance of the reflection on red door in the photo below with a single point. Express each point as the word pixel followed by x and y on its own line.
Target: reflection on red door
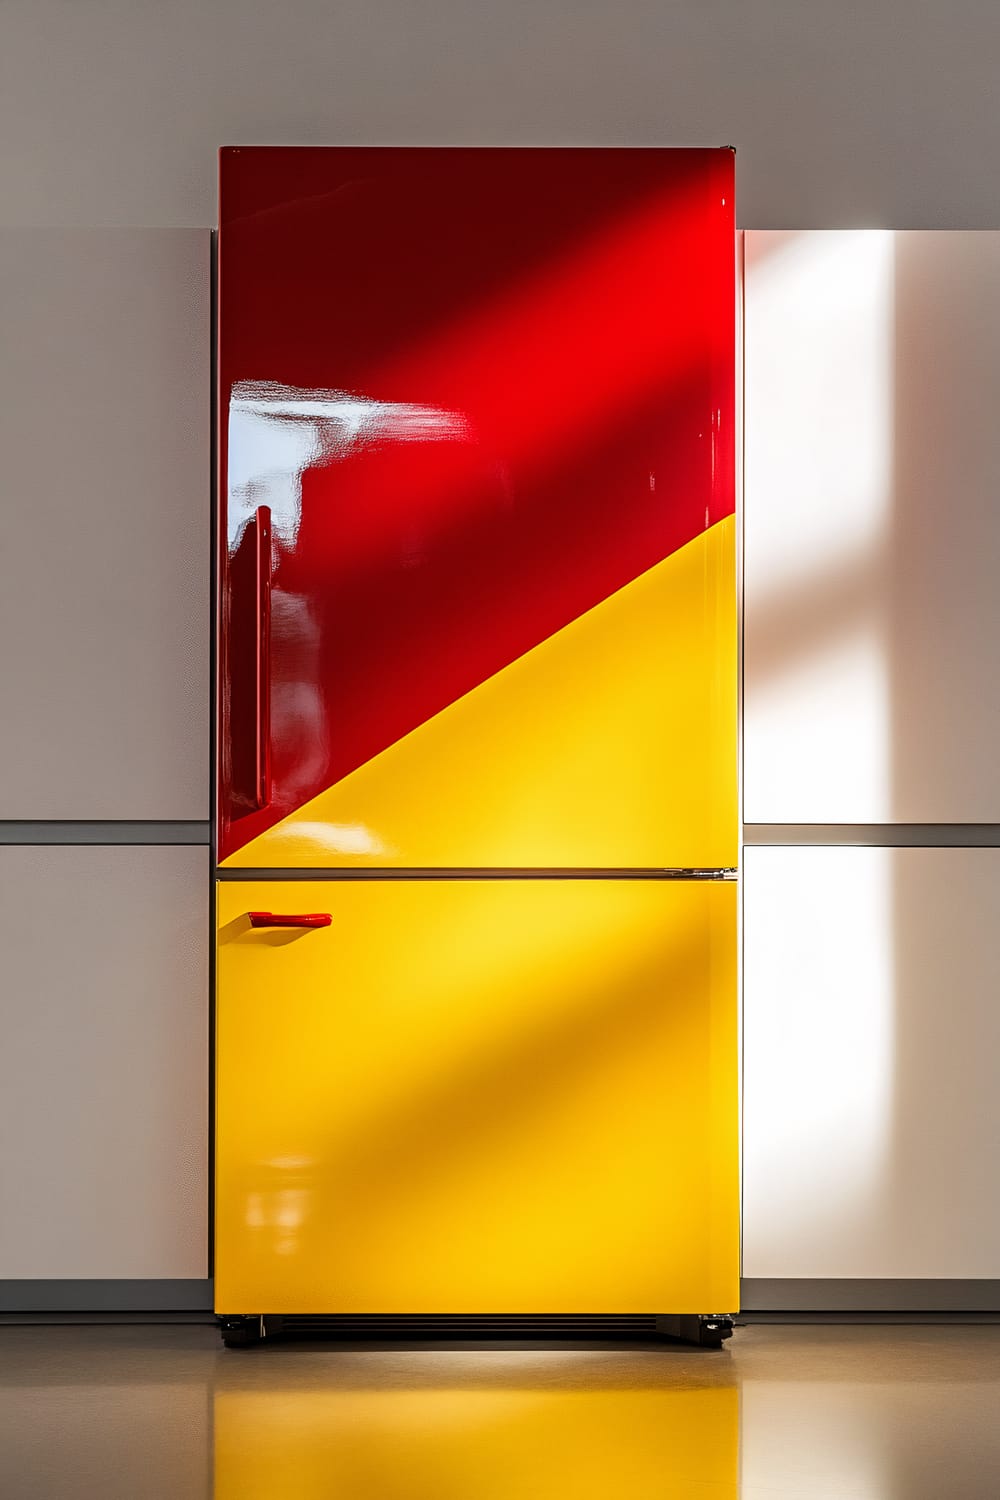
pixel 477 392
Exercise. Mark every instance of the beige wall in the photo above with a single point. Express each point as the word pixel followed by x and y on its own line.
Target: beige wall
pixel 112 112
pixel 104 609
pixel 872 527
pixel 842 114
pixel 871 1115
pixel 104 682
pixel 871 558
pixel 104 1063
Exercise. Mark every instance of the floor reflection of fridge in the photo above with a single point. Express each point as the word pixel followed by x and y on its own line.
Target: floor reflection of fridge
pixel 476 1008
pixel 518 1427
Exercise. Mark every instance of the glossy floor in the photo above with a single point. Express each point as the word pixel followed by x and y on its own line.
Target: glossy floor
pixel 822 1413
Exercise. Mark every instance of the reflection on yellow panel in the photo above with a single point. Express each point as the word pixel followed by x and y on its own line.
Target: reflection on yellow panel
pixel 669 1444
pixel 610 745
pixel 488 1096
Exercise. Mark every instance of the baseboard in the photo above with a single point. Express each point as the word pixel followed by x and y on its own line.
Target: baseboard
pixel 858 1295
pixel 112 1296
pixel 114 1319
pixel 759 1295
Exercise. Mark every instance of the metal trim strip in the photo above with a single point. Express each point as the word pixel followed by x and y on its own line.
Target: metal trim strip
pixel 111 831
pixel 442 873
pixel 873 835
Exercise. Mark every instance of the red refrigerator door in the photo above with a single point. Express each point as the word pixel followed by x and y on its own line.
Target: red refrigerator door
pixel 476 441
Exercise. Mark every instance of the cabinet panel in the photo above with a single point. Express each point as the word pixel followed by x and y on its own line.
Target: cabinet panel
pixel 477 1096
pixel 104 613
pixel 872 535
pixel 871 1031
pixel 104 1063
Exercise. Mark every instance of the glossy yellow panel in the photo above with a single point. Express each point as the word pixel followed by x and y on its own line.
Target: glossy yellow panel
pixel 587 1443
pixel 481 1096
pixel 610 745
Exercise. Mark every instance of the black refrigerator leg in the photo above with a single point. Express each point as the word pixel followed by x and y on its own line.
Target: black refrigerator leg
pixel 707 1330
pixel 242 1332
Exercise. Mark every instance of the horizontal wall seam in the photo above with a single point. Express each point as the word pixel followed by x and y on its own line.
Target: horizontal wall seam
pixel 111 831
pixel 873 835
pixel 755 835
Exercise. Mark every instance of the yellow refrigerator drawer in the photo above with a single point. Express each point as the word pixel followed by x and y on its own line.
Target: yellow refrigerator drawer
pixel 477 1096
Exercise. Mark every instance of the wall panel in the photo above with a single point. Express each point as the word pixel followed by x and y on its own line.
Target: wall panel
pixel 104 1062
pixel 871 1032
pixel 872 527
pixel 104 610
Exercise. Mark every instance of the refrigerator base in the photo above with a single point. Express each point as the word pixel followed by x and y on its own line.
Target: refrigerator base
pixel 706 1330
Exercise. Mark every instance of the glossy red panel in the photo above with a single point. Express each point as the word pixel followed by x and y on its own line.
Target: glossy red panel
pixel 477 391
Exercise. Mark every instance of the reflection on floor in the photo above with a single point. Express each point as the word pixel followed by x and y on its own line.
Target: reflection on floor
pixel 821 1413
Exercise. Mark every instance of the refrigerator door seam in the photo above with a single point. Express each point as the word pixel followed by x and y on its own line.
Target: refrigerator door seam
pixel 456 873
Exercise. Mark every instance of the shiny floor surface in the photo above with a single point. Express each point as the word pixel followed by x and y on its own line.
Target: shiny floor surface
pixel 822 1413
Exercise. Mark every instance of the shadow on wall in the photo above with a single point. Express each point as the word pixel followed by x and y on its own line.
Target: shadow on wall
pixel 872 550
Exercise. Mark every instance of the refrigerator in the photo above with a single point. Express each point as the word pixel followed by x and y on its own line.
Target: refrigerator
pixel 476 804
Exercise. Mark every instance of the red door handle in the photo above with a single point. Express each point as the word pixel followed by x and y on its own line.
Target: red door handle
pixel 263 664
pixel 290 919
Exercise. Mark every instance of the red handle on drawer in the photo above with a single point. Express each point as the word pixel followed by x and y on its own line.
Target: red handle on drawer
pixel 290 919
